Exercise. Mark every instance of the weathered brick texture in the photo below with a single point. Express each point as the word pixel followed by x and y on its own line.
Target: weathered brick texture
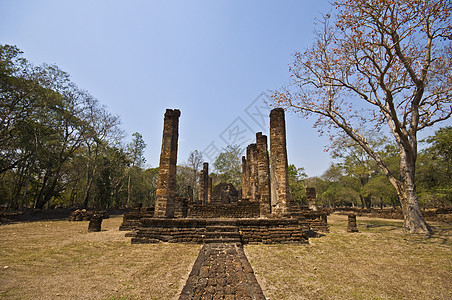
pixel 166 183
pixel 263 172
pixel 278 163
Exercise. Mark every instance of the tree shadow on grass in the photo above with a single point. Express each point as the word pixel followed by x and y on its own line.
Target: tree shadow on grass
pixel 381 225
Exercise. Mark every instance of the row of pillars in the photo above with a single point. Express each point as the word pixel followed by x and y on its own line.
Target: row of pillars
pixel 264 179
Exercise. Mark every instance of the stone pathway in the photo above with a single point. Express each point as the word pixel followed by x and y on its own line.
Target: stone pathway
pixel 222 271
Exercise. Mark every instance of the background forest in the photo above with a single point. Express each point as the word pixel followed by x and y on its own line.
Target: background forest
pixel 59 147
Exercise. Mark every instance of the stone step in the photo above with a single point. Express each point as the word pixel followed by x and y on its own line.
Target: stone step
pixel 220 222
pixel 222 234
pixel 219 228
pixel 221 240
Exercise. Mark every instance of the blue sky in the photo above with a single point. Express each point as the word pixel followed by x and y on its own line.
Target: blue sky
pixel 210 59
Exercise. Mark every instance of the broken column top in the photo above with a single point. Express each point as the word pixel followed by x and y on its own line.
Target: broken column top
pixel 260 136
pixel 172 113
pixel 277 110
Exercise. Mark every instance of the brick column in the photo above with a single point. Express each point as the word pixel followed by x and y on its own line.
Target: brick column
pixel 251 163
pixel 204 183
pixel 209 189
pixel 263 172
pixel 311 198
pixel 166 183
pixel 351 227
pixel 278 163
pixel 245 178
pixel 190 194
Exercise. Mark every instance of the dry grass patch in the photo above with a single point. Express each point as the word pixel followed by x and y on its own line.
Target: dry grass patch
pixel 61 259
pixel 379 262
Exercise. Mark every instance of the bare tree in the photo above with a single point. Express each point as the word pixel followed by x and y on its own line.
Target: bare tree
pixel 383 63
pixel 103 130
pixel 194 162
pixel 136 153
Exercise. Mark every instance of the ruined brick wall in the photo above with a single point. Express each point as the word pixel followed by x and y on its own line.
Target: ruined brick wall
pixel 154 230
pixel 278 163
pixel 180 207
pixel 311 198
pixel 131 220
pixel 166 183
pixel 268 231
pixel 224 193
pixel 241 209
pixel 316 220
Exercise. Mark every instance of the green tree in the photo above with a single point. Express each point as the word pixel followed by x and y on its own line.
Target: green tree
pixel 355 162
pixel 136 155
pixel 434 169
pixel 183 180
pixel 338 189
pixel 381 63
pixel 380 188
pixel 296 184
pixel 228 165
pixel 51 132
pixel 118 173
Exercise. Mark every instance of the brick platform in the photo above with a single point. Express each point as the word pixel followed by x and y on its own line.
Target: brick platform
pixel 269 231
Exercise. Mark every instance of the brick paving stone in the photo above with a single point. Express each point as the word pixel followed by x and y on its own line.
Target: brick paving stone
pixel 222 271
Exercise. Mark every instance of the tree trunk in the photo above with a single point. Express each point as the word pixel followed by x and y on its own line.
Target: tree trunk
pixel 406 190
pixel 368 201
pixel 88 178
pixel 50 193
pixel 128 191
pixel 361 198
pixel 39 204
pixel 24 194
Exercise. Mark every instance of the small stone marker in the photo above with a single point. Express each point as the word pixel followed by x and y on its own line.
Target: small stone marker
pixel 95 223
pixel 352 223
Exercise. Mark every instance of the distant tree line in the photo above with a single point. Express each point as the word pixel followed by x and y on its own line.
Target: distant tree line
pixel 355 179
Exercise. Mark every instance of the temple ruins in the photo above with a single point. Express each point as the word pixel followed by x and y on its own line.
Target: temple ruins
pixel 262 211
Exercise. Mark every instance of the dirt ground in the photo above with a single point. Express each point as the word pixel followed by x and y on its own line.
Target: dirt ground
pixel 379 262
pixel 62 260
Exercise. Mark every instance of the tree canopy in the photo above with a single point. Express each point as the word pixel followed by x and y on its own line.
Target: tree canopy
pixel 378 64
pixel 58 144
pixel 228 165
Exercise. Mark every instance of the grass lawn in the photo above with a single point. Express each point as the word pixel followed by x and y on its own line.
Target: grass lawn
pixel 379 262
pixel 62 260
